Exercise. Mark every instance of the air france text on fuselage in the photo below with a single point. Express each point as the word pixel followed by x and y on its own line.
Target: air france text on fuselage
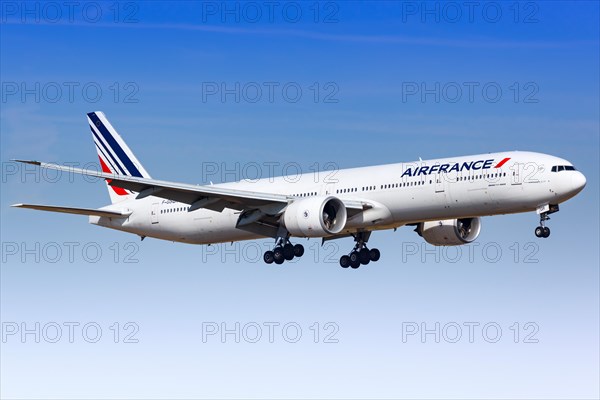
pixel 454 167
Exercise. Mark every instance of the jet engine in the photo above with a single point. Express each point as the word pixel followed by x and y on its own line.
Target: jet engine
pixel 450 232
pixel 315 216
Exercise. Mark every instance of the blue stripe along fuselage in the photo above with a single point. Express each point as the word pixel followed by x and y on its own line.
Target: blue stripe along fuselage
pixel 114 145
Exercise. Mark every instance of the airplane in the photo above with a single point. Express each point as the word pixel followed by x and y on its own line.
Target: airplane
pixel 444 199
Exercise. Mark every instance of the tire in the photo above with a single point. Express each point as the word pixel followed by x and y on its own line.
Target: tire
pixel 355 264
pixel 364 256
pixel 288 252
pixel 354 257
pixel 269 257
pixel 298 250
pixel 546 232
pixel 539 231
pixel 374 254
pixel 278 255
pixel 344 261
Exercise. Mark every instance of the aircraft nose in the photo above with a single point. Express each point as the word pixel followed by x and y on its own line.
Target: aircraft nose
pixel 578 181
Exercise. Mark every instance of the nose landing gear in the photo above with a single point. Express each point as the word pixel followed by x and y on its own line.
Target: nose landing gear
pixel 543 231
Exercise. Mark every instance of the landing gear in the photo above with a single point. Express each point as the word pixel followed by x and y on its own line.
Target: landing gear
pixel 360 255
pixel 283 251
pixel 543 231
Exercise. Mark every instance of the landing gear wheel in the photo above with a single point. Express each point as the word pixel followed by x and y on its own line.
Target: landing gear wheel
pixel 374 254
pixel 364 256
pixel 288 251
pixel 539 231
pixel 298 250
pixel 546 232
pixel 269 257
pixel 344 261
pixel 278 255
pixel 354 260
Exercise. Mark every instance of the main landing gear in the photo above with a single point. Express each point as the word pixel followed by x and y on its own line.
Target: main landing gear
pixel 283 251
pixel 360 255
pixel 543 231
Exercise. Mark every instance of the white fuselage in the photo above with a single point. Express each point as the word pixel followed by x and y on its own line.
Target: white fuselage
pixel 400 194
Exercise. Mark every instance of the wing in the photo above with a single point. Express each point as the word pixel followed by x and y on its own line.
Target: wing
pixel 73 210
pixel 258 214
pixel 197 196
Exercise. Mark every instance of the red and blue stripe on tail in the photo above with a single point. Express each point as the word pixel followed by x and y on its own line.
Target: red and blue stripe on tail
pixel 114 154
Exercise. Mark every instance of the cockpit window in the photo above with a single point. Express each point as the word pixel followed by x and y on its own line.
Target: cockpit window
pixel 558 168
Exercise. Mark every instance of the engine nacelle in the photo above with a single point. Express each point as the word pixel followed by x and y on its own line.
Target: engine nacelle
pixel 315 216
pixel 450 232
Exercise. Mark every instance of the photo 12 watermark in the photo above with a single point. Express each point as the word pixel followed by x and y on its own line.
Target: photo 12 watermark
pixel 69 332
pixel 270 12
pixel 290 92
pixel 15 171
pixel 252 172
pixel 470 332
pixel 489 92
pixel 471 12
pixel 69 12
pixel 72 252
pixel 252 252
pixel 69 92
pixel 270 332
pixel 472 253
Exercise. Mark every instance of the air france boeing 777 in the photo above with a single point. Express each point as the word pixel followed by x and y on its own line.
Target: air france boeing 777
pixel 443 198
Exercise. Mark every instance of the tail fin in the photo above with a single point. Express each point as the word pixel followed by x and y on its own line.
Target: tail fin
pixel 114 154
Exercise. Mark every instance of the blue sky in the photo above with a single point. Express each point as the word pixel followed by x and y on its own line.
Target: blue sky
pixel 379 83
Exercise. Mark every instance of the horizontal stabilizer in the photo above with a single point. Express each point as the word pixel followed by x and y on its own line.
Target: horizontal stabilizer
pixel 73 210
